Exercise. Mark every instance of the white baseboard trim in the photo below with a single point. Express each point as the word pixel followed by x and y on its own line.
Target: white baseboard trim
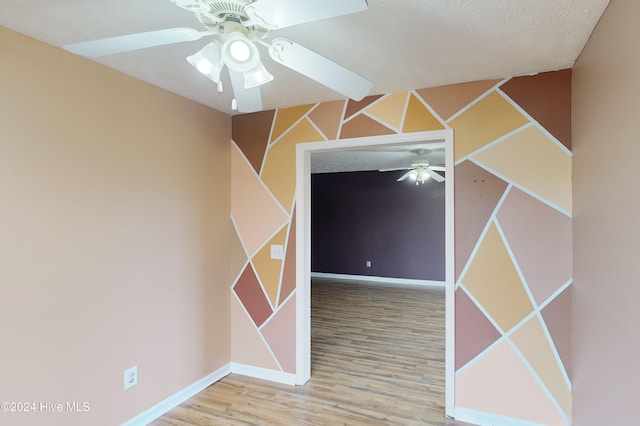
pixel 373 279
pixel 263 373
pixel 178 398
pixel 487 419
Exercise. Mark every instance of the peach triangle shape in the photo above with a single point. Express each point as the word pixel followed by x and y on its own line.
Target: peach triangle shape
pixel 390 109
pixel 279 170
pixel 268 269
pixel 256 214
pixel 238 256
pixel 532 341
pixel 356 107
pixel 501 384
pixel 418 117
pixel 532 160
pixel 286 117
pixel 490 118
pixel 288 284
pixel 494 281
pixel 448 100
pixel 279 332
pixel 327 117
pixel 247 345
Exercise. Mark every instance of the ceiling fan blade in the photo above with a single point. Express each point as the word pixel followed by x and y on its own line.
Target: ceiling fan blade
pixel 437 168
pixel 317 67
pixel 248 100
pixel 275 14
pixel 395 169
pixel 126 43
pixel 435 176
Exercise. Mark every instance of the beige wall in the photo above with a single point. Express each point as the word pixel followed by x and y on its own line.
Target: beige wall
pixel 606 101
pixel 114 230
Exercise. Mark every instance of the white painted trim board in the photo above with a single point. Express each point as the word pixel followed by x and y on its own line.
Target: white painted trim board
pixel 377 280
pixel 178 398
pixel 303 245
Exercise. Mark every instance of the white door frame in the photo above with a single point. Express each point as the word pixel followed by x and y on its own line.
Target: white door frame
pixel 303 245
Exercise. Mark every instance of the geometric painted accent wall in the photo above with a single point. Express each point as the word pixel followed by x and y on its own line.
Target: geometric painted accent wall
pixel 512 233
pixel 516 260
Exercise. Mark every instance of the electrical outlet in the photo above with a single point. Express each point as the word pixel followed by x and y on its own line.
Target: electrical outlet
pixel 130 377
pixel 368 264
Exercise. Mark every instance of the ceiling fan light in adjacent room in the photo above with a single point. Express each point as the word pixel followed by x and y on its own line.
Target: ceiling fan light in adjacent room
pixel 424 175
pixel 419 175
pixel 207 61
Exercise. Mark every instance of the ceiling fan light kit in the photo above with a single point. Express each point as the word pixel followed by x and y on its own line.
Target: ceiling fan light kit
pixel 207 61
pixel 419 175
pixel 238 26
pixel 419 172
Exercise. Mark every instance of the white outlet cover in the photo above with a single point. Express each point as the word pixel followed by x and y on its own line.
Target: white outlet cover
pixel 130 377
pixel 277 251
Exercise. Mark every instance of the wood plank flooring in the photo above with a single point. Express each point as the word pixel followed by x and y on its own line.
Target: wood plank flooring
pixel 377 358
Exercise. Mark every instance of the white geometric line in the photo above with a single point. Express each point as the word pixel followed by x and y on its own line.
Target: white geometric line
pixel 266 344
pixel 269 238
pixel 317 129
pixel 490 220
pixel 284 259
pixel 548 334
pixel 244 248
pixel 537 309
pixel 266 188
pixel 384 123
pixel 428 107
pixel 276 310
pixel 480 355
pixel 515 263
pixel 556 354
pixel 520 187
pixel 379 121
pixel 405 108
pixel 478 99
pixel 493 143
pixel 556 293
pixel 271 127
pixel 264 291
pixel 342 120
pixel 294 124
pixel 540 126
pixel 491 320
pixel 544 387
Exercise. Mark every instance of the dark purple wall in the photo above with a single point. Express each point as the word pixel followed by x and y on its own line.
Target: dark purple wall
pixel 360 216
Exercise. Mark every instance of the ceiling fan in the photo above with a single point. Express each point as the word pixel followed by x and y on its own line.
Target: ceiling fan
pixel 237 28
pixel 419 171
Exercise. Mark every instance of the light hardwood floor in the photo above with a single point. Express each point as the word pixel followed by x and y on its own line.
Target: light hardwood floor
pixel 377 358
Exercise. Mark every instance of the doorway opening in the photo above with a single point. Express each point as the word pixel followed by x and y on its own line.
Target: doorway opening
pixel 303 243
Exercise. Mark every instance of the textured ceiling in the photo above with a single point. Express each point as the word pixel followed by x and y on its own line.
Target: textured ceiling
pixel 377 157
pixel 397 44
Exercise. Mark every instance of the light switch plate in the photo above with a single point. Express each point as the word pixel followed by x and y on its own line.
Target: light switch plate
pixel 277 251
